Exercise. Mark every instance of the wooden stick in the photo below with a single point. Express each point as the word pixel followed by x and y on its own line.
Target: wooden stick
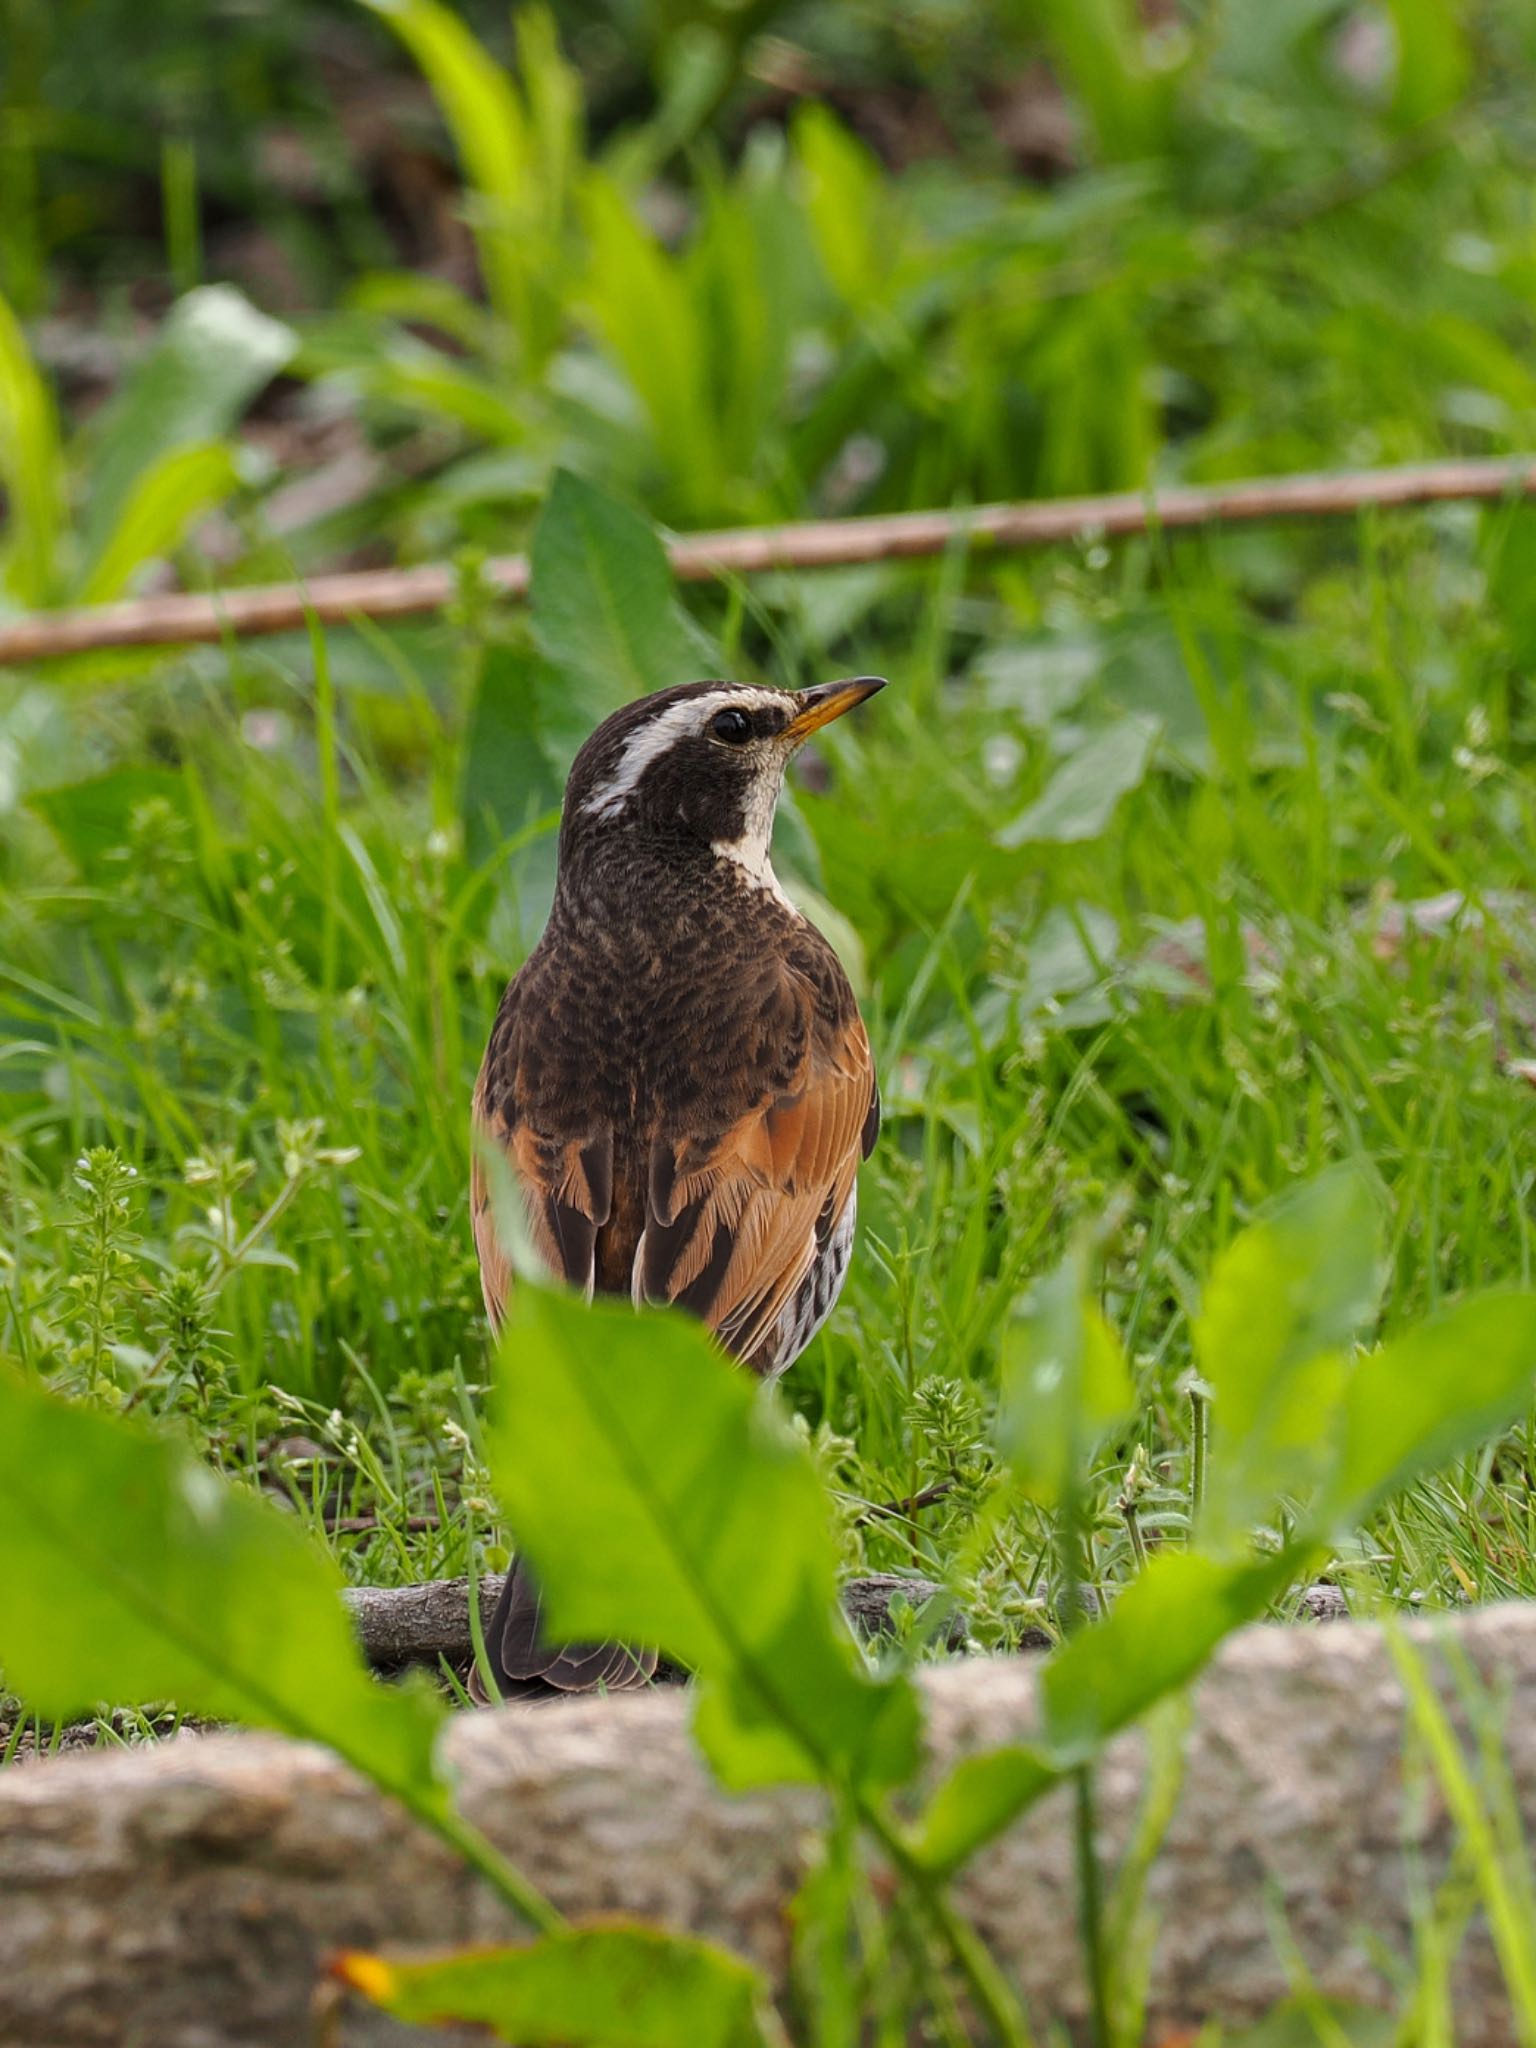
pixel 183 618
pixel 398 1625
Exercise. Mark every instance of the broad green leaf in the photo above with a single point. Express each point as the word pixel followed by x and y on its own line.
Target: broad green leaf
pixel 1081 797
pixel 1064 1383
pixel 523 730
pixel 135 1574
pixel 1157 1635
pixel 31 470
pixel 1280 1309
pixel 609 1986
pixel 1433 58
pixel 166 499
pixel 661 1500
pixel 95 818
pixel 981 1796
pixel 1431 1395
pixel 604 612
pixel 212 356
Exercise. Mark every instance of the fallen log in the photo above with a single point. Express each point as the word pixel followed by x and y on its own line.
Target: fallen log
pixel 185 1895
pixel 401 1625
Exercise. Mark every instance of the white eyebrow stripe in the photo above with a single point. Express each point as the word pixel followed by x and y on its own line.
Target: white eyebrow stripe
pixel 651 740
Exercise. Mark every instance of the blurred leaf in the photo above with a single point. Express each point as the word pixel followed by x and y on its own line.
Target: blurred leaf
pixel 1433 60
pixel 849 203
pixel 407 295
pixel 694 61
pixel 1282 1304
pixel 604 612
pixel 1072 951
pixel 1432 1395
pixel 214 353
pixel 95 817
pixel 490 132
pixel 166 499
pixel 1081 797
pixel 610 1986
pixel 1510 532
pixel 1158 1634
pixel 523 730
pixel 1102 46
pixel 135 1574
pixel 1312 2021
pixel 980 1797
pixel 645 312
pixel 1064 1383
pixel 31 470
pixel 647 1532
pixel 741 269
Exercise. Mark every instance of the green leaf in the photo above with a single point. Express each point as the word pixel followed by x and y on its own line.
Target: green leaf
pixel 135 1574
pixel 518 151
pixel 1313 2021
pixel 1283 1303
pixel 523 730
pixel 604 611
pixel 1434 61
pixel 1431 1395
pixel 490 132
pixel 611 1986
pixel 212 356
pixel 659 337
pixel 980 1797
pixel 848 203
pixel 1081 797
pixel 164 502
pixel 1102 47
pixel 1158 1634
pixel 710 1541
pixel 95 818
pixel 1064 1383
pixel 31 469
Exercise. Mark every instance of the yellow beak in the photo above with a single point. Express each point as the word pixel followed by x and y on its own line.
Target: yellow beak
pixel 823 702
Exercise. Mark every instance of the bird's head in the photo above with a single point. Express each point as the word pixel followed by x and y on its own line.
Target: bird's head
pixel 695 772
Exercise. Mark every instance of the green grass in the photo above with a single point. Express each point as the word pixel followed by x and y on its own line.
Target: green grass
pixel 1152 1028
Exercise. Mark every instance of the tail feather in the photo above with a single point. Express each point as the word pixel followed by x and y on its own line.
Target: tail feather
pixel 525 1663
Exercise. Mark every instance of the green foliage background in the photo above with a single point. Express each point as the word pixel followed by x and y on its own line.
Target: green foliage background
pixel 1171 872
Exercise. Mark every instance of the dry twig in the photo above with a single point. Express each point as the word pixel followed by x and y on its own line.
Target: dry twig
pixel 183 618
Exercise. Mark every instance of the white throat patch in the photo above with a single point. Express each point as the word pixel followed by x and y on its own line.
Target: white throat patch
pixel 751 852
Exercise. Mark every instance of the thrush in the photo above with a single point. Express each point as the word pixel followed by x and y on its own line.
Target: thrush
pixel 678 1075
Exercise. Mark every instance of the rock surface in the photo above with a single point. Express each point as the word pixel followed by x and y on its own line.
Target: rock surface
pixel 183 1896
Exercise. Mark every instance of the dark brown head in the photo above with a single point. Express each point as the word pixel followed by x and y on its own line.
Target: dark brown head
pixel 693 774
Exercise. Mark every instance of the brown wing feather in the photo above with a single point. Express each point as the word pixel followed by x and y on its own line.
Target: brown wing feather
pixel 731 1223
pixel 566 1184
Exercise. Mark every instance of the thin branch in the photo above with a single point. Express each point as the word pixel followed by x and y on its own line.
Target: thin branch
pixel 902 1510
pixel 183 618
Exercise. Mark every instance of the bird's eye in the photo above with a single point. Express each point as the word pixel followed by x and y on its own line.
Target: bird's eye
pixel 734 727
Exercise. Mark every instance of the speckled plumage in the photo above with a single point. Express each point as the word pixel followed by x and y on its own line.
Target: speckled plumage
pixel 678 1074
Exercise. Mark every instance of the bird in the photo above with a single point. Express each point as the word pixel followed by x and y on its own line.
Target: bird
pixel 678 1076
